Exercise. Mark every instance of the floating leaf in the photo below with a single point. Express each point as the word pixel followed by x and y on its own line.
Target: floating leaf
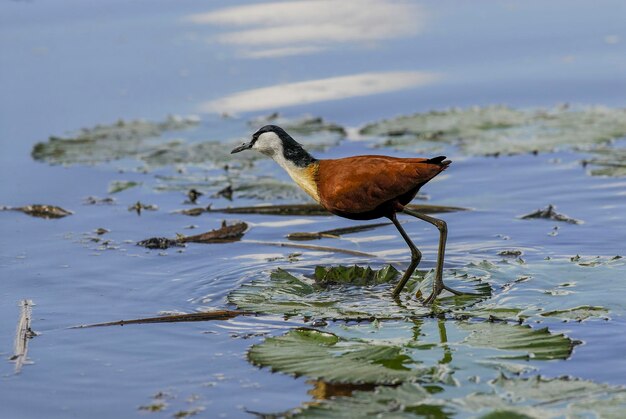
pixel 501 130
pixel 108 142
pixel 537 344
pixel 425 350
pixel 121 185
pixel 284 294
pixel 334 359
pixel 40 211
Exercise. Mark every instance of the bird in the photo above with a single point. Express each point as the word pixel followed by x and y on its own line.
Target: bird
pixel 362 187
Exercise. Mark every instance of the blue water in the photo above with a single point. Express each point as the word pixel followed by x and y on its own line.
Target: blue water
pixel 72 64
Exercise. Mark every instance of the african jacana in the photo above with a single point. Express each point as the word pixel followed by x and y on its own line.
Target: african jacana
pixel 360 188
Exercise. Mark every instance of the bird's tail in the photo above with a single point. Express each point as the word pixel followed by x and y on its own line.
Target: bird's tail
pixel 439 160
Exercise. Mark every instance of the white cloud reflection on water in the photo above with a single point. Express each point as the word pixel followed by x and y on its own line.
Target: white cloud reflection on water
pixel 333 88
pixel 308 26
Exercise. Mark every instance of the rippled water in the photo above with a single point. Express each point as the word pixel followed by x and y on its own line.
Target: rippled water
pixel 78 64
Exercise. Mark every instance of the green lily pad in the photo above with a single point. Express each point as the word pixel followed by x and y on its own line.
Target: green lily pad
pixel 429 350
pixel 564 288
pixel 353 296
pixel 355 275
pixel 109 142
pixel 536 344
pixel 501 130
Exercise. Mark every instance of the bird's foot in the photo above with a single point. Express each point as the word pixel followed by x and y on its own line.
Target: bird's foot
pixel 439 287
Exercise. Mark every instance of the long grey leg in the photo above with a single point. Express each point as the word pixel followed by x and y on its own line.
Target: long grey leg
pixel 416 256
pixel 438 284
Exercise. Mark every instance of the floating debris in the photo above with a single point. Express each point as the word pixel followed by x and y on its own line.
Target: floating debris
pixel 40 211
pixel 334 233
pixel 160 243
pixel 315 210
pixel 355 275
pixel 94 200
pixel 194 212
pixel 175 318
pixel 193 195
pixel 23 334
pixel 227 193
pixel 225 234
pixel 138 207
pixel 550 213
pixel 121 185
pixel 511 252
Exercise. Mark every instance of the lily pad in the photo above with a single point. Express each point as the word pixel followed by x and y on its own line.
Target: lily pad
pixel 500 129
pixel 305 125
pixel 355 275
pixel 108 142
pixel 535 397
pixel 607 161
pixel 564 288
pixel 403 351
pixel 356 297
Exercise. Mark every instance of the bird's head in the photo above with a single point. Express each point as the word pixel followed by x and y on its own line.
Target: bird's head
pixel 273 141
pixel 269 140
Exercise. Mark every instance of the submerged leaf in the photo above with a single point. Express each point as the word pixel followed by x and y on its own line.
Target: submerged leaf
pixel 498 130
pixel 536 289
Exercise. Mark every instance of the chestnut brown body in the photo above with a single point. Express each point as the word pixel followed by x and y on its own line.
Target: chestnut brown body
pixel 368 187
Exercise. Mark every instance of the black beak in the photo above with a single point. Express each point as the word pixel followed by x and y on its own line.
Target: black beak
pixel 242 147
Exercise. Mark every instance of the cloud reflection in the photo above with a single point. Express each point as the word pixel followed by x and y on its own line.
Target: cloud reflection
pixel 311 24
pixel 283 95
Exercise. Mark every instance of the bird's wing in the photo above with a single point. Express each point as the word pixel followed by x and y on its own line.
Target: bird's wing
pixel 362 183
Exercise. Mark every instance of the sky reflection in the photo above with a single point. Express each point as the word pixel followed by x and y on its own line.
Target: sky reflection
pixel 305 27
pixel 333 88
